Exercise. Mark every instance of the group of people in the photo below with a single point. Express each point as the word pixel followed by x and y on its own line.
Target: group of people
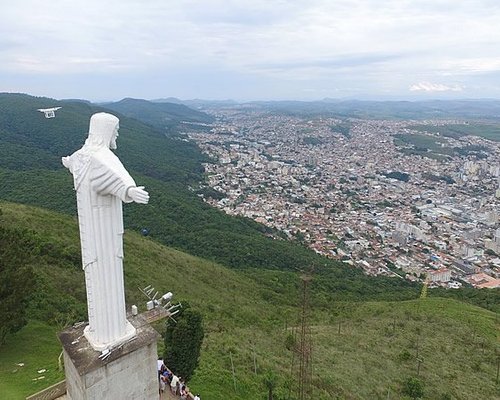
pixel 176 384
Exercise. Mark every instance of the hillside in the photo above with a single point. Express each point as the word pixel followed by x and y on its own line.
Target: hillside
pixel 164 116
pixel 170 168
pixel 251 317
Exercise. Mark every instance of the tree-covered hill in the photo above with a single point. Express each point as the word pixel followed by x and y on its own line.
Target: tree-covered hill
pixel 361 350
pixel 31 173
pixel 169 167
pixel 164 116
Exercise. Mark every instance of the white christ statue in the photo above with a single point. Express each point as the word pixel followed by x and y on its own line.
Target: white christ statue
pixel 102 183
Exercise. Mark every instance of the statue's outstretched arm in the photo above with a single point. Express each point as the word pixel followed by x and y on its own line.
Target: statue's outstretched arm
pixel 138 194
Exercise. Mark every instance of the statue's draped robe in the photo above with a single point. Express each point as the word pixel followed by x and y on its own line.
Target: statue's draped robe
pixel 101 183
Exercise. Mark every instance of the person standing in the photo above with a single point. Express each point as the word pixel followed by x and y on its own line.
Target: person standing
pixel 173 384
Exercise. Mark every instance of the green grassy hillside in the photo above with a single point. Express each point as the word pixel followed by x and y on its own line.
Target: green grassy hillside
pixel 250 316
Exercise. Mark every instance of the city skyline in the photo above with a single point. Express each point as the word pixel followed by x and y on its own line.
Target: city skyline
pixel 281 50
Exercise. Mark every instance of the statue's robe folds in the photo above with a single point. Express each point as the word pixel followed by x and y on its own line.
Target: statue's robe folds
pixel 101 184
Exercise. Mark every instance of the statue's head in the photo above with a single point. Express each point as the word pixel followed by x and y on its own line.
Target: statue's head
pixel 103 130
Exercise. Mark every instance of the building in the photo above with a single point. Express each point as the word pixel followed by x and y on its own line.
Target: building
pixel 440 275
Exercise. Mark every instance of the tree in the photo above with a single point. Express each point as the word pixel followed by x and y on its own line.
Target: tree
pixel 183 340
pixel 414 388
pixel 270 381
pixel 490 252
pixel 400 176
pixel 16 280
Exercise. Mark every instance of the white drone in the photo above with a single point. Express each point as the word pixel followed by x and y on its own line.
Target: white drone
pixel 49 112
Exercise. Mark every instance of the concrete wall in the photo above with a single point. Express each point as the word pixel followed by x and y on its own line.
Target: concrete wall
pixel 133 376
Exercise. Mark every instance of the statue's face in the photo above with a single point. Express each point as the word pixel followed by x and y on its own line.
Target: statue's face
pixel 112 144
pixel 103 130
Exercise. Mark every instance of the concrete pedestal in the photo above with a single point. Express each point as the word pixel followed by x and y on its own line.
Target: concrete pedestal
pixel 129 372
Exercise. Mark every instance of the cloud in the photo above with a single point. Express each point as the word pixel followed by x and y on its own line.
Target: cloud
pixel 473 65
pixel 434 87
pixel 376 45
pixel 338 62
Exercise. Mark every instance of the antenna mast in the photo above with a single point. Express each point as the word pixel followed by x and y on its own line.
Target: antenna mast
pixel 304 347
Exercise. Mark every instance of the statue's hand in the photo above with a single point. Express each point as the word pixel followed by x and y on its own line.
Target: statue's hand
pixel 65 161
pixel 138 194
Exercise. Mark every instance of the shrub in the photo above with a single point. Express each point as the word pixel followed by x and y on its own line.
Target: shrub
pixel 183 341
pixel 414 388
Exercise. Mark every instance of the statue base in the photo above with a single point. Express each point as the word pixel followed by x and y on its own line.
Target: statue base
pixel 130 332
pixel 129 371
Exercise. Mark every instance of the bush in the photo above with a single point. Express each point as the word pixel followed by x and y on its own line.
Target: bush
pixel 404 355
pixel 183 341
pixel 16 280
pixel 414 388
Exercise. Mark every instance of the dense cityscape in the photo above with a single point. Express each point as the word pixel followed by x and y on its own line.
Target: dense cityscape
pixel 391 197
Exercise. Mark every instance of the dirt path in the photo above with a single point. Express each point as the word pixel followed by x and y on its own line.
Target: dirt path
pixel 166 395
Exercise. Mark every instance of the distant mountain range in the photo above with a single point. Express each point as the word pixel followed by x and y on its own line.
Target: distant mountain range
pixel 433 109
pixel 483 109
pixel 198 103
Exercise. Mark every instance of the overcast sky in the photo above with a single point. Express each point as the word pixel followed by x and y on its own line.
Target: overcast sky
pixel 250 50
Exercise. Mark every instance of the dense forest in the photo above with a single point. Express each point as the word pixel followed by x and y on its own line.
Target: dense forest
pixel 170 168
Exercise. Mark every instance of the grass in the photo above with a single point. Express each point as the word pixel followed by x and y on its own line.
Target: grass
pixel 37 347
pixel 379 344
pixel 248 318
